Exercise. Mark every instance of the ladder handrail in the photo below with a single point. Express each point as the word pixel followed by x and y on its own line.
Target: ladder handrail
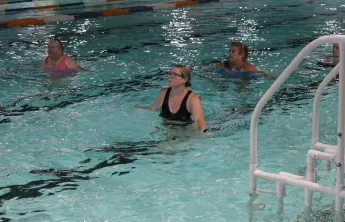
pixel 274 87
pixel 316 105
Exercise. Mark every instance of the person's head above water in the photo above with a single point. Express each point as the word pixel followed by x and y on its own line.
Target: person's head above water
pixel 336 52
pixel 238 52
pixel 55 48
pixel 238 60
pixel 56 59
pixel 179 75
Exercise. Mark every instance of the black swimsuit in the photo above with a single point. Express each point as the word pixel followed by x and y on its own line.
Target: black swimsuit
pixel 181 115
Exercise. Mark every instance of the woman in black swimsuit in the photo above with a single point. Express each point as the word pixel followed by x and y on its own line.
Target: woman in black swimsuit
pixel 176 102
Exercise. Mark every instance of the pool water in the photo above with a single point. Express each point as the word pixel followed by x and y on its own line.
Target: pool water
pixel 75 149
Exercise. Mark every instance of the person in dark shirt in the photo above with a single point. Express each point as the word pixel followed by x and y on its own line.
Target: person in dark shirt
pixel 176 102
pixel 238 61
pixel 330 61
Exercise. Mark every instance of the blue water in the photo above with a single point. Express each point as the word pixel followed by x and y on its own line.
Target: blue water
pixel 74 149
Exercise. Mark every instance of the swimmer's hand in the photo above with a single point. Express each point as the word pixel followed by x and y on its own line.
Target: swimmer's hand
pixel 207 133
pixel 145 107
pixel 141 107
pixel 267 75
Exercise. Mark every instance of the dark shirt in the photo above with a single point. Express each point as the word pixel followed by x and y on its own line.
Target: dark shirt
pixel 228 66
pixel 181 115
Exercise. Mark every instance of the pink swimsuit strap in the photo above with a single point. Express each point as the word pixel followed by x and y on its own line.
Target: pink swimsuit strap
pixel 60 66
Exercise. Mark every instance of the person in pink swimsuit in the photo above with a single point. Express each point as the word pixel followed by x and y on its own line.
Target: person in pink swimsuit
pixel 57 61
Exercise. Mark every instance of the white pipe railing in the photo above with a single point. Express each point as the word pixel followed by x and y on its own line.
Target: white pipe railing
pixel 332 153
pixel 317 155
pixel 315 117
pixel 339 201
pixel 293 176
pixel 321 146
pixel 316 107
pixel 300 183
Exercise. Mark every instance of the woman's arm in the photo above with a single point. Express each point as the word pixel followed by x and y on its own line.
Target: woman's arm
pixel 267 75
pixel 220 65
pixel 71 64
pixel 157 104
pixel 251 68
pixel 197 113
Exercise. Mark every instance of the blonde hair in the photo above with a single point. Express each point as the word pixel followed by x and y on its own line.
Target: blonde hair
pixel 186 73
pixel 58 43
pixel 243 49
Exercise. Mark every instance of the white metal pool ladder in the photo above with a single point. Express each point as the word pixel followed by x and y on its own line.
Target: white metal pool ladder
pixel 318 151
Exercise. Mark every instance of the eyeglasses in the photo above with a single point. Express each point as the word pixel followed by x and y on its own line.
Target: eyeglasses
pixel 174 74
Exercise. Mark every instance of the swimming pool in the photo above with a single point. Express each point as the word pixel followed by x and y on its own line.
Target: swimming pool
pixel 76 150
